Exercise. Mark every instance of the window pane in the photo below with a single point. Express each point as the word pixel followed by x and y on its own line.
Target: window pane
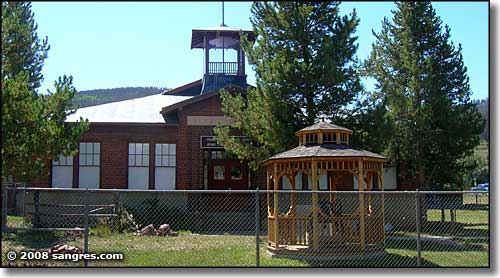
pixel 138 148
pixel 172 160
pixel 83 147
pixel 218 172
pixel 145 148
pixel 97 147
pixel 158 149
pixel 157 160
pixel 236 173
pixel 70 160
pixel 145 160
pixel 138 160
pixel 131 160
pixel 164 161
pixel 131 148
pixel 96 159
pixel 172 148
pixel 83 159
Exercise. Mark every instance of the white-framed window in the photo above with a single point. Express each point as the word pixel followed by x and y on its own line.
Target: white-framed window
pixel 62 172
pixel 89 160
pixel 138 165
pixel 165 162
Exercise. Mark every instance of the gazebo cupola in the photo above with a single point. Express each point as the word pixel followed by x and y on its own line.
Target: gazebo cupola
pixel 224 61
pixel 324 133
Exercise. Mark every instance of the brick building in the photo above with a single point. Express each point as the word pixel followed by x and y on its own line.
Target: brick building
pixel 166 141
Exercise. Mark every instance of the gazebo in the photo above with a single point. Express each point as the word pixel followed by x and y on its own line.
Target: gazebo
pixel 324 154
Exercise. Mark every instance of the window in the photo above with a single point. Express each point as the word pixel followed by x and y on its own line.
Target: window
pixel 165 155
pixel 329 138
pixel 63 161
pixel 62 172
pixel 217 155
pixel 89 160
pixel 90 154
pixel 138 166
pixel 219 172
pixel 138 154
pixel 165 161
pixel 343 138
pixel 236 173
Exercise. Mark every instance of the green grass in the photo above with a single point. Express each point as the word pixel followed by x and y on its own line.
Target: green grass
pixel 193 250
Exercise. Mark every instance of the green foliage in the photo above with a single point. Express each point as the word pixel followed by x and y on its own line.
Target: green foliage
pixel 422 80
pixel 126 221
pixel 33 129
pixel 305 64
pixel 152 211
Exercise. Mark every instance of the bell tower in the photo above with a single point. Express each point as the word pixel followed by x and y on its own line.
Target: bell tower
pixel 224 59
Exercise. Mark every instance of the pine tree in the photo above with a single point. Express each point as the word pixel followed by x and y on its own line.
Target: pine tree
pixel 422 79
pixel 33 128
pixel 306 67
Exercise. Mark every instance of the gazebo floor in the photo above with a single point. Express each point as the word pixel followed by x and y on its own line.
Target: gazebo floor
pixel 327 253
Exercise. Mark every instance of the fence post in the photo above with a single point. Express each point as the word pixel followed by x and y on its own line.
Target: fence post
pixel 86 221
pixel 115 212
pixel 36 200
pixel 257 228
pixel 4 204
pixel 419 242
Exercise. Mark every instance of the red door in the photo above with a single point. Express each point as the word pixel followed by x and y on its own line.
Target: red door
pixel 228 174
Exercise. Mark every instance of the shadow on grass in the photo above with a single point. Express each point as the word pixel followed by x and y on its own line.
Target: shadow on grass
pixel 455 229
pixel 38 240
pixel 437 245
pixel 389 260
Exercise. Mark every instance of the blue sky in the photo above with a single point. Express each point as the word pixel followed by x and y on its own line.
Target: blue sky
pixel 119 44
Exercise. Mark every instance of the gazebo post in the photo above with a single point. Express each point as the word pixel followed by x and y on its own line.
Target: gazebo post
pixel 361 205
pixel 383 202
pixel 315 204
pixel 292 205
pixel 276 209
pixel 369 177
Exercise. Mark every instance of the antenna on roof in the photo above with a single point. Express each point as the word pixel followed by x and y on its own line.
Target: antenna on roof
pixel 223 14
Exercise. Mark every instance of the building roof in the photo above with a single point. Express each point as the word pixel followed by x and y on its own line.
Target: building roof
pixel 325 150
pixel 324 126
pixel 212 32
pixel 137 110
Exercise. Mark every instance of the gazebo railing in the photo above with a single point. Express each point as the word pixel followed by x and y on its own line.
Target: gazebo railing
pixel 333 230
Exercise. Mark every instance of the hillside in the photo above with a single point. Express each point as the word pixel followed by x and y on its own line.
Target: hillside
pixel 101 96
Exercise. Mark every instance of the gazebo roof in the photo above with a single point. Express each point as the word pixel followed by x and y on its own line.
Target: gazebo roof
pixel 325 150
pixel 324 126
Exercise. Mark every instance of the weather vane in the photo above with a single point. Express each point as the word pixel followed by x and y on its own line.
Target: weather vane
pixel 223 14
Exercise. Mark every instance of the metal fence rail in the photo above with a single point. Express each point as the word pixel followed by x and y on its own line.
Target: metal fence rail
pixel 246 228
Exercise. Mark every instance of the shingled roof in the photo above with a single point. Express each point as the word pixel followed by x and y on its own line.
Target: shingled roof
pixel 325 150
pixel 324 126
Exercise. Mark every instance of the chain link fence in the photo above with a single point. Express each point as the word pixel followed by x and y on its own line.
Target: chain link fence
pixel 247 228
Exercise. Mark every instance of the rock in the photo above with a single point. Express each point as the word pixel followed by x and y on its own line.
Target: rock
pixel 172 233
pixel 164 230
pixel 149 230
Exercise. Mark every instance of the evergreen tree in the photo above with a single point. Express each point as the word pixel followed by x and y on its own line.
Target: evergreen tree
pixel 33 129
pixel 305 64
pixel 422 79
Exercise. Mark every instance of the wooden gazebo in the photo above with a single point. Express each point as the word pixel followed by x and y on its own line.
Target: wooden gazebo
pixel 324 151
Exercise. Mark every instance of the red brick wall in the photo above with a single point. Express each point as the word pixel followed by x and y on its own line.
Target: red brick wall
pixel 114 141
